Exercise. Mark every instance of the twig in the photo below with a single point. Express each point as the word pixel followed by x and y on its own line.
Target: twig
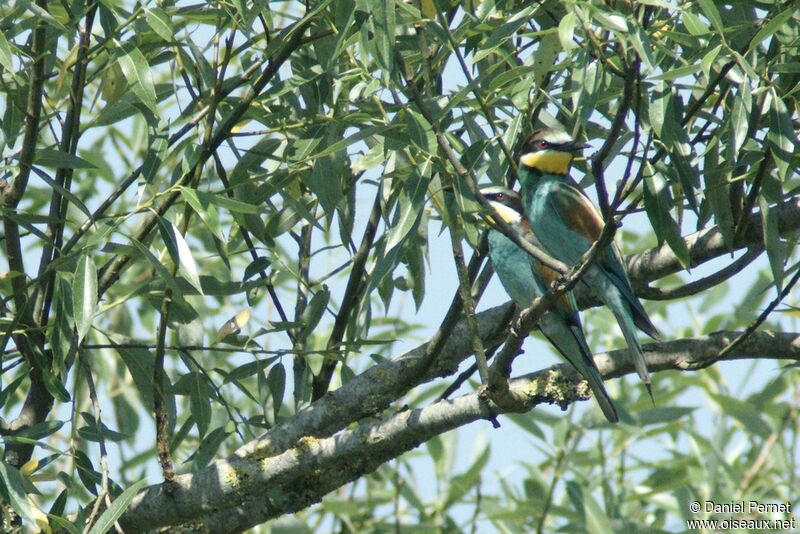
pixel 299 364
pixel 159 396
pixel 98 419
pixel 686 290
pixel 218 391
pixel 223 175
pixel 69 144
pixel 599 158
pixel 752 195
pixel 760 319
pixel 466 374
pixel 766 448
pixel 465 289
pixel 353 294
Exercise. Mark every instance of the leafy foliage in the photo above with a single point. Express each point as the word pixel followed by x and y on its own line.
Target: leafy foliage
pixel 219 212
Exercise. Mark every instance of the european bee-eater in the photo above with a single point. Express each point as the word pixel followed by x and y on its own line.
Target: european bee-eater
pixel 525 279
pixel 566 223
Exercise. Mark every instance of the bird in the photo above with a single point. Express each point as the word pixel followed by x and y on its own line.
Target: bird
pixel 566 223
pixel 524 279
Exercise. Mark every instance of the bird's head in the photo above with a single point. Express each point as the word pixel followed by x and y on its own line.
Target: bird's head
pixel 549 151
pixel 506 203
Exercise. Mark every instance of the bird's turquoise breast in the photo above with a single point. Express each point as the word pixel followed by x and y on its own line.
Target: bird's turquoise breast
pixel 513 267
pixel 544 212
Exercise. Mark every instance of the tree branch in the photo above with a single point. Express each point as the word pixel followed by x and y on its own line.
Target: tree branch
pixel 377 387
pixel 244 491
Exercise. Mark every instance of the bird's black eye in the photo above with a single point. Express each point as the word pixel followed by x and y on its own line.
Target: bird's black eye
pixel 542 144
pixel 500 196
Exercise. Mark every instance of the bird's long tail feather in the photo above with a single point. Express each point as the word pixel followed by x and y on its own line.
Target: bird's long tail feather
pixel 625 320
pixel 571 343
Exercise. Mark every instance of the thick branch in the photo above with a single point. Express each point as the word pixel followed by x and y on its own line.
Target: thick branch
pixel 706 245
pixel 375 389
pixel 241 492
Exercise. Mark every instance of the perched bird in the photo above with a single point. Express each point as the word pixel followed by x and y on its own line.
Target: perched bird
pixel 525 279
pixel 566 223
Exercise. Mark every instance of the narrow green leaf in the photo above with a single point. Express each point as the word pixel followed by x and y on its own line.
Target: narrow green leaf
pixel 781 137
pixel 187 265
pixel 344 12
pixel 596 519
pixel 658 203
pixel 776 23
pixel 463 483
pixel 165 229
pixel 54 385
pixel 435 448
pixel 11 389
pixel 159 22
pixel 566 30
pixel 679 72
pixel 84 295
pixel 420 132
pixel 137 72
pixel 157 265
pixel 5 54
pixel 501 35
pixel 43 14
pixel 325 181
pixel 667 414
pixel 709 58
pixel 91 431
pixel 258 265
pixel 222 201
pixel 744 412
pixel 86 472
pixel 575 494
pixel 12 490
pixel 717 192
pixel 694 24
pixel 64 192
pixel 199 401
pixel 360 135
pixel 314 311
pixel 662 118
pixel 63 523
pixel 549 48
pixel 276 383
pixel 179 252
pixel 409 205
pixel 772 242
pixel 106 521
pixel 383 17
pixel 739 119
pixel 641 42
pixel 209 447
pixel 156 153
pixel 712 14
pixel 205 210
pixel 46 157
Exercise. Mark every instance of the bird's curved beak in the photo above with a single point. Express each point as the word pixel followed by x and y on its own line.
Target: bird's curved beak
pixel 575 146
